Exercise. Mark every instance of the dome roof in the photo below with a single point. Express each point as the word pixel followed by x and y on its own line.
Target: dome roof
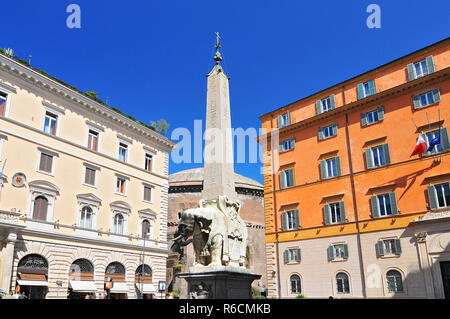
pixel 194 176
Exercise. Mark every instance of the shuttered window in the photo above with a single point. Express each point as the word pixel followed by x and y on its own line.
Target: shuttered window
pixel 328 131
pixel 90 176
pixel 284 120
pixel 427 98
pixel 389 247
pixel 290 220
pixel 292 254
pixel 439 196
pixel 334 213
pixel 326 104
pixel 145 229
pixel 287 178
pixel 421 68
pixel 371 117
pixel 330 168
pixel 46 163
pixel 366 89
pixel 338 251
pixel 287 145
pixel 3 99
pixel 444 143
pixel 147 193
pixel 40 208
pixel 384 205
pixel 378 156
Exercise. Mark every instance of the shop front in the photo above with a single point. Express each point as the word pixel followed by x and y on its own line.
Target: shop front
pixel 115 273
pixel 81 280
pixel 143 282
pixel 32 277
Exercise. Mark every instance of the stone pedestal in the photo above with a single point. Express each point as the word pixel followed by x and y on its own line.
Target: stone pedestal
pixel 220 284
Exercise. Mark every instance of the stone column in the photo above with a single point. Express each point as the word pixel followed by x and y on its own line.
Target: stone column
pixel 7 261
pixel 421 239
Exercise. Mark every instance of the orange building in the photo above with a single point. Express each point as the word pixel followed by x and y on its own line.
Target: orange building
pixel 349 212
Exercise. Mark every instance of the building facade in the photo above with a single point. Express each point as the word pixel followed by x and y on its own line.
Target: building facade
pixel 349 213
pixel 83 193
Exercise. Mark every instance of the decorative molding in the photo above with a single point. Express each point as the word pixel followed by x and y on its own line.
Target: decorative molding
pixel 46 151
pixel 95 168
pixel 8 88
pixel 421 237
pixel 53 108
pixel 94 126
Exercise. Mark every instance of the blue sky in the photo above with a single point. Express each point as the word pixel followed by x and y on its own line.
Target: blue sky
pixel 151 57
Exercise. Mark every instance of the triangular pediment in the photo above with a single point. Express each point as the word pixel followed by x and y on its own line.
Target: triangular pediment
pixel 89 197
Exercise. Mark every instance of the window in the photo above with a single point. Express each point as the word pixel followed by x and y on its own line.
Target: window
pixel 338 251
pixel 90 176
pixel 389 247
pixel 295 284
pixel 86 217
pixel 3 100
pixel 439 136
pixel 421 68
pixel 394 281
pixel 334 213
pixel 330 168
pixel 384 205
pixel 40 208
pixel 287 145
pixel 342 283
pixel 284 120
pixel 46 163
pixel 378 156
pixel 123 152
pixel 147 193
pixel 118 224
pixel 325 105
pixel 424 99
pixel 328 131
pixel 372 116
pixel 145 229
pixel 439 196
pixel 290 220
pixel 287 178
pixel 148 162
pixel 50 123
pixel 121 186
pixel 292 254
pixel 366 89
pixel 93 140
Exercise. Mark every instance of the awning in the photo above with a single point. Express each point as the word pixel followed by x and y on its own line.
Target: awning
pixel 147 289
pixel 36 283
pixel 119 288
pixel 82 286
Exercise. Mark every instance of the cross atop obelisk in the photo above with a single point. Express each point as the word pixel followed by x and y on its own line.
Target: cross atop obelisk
pixel 219 156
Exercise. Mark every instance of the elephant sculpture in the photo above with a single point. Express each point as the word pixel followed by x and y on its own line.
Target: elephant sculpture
pixel 219 235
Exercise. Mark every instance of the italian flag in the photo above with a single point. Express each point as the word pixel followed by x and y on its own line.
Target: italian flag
pixel 421 146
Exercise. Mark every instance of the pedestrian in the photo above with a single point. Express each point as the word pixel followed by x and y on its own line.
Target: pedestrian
pixel 100 296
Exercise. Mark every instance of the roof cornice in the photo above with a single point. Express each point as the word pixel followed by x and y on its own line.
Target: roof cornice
pixel 13 67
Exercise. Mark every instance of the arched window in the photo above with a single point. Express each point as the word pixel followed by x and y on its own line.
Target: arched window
pixel 116 271
pixel 81 269
pixel 40 208
pixel 33 264
pixel 394 281
pixel 86 217
pixel 295 284
pixel 118 224
pixel 342 283
pixel 145 229
pixel 146 276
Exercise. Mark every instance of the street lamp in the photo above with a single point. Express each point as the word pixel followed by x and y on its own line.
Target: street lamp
pixel 142 266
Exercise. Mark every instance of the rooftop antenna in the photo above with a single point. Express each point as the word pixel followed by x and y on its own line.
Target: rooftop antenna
pixel 107 99
pixel 29 59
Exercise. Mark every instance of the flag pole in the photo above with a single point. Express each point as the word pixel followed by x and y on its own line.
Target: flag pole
pixel 415 125
pixel 429 127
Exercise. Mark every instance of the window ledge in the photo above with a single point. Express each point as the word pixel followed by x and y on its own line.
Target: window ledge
pixel 425 106
pixel 46 173
pixel 293 262
pixel 92 186
pixel 120 194
pixel 337 260
pixel 387 256
pixel 146 201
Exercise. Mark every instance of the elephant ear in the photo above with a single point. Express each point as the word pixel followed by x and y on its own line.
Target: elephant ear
pixel 205 223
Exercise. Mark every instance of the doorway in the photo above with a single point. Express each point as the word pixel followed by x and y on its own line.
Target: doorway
pixel 445 269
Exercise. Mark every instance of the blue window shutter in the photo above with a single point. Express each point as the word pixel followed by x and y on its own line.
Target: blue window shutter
pixel 363 119
pixel 345 251
pixel 380 111
pixel 369 159
pixel 375 210
pixel 360 91
pixel 393 200
pixel 293 143
pixel 342 211
pixel 286 256
pixel 319 107
pixel 296 219
pixel 416 102
pixel 398 247
pixel 411 72
pixel 380 248
pixel 291 178
pixel 387 155
pixel 372 87
pixel 436 95
pixel 299 254
pixel 445 142
pixel 327 214
pixel 283 179
pixel 323 169
pixel 281 147
pixel 331 253
pixel 280 121
pixel 338 166
pixel 320 133
pixel 430 64
pixel 289 118
pixel 335 129
pixel 332 101
pixel 432 197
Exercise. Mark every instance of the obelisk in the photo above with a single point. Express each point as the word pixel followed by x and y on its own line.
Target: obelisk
pixel 219 156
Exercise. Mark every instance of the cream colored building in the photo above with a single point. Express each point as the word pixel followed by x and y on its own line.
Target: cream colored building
pixel 81 184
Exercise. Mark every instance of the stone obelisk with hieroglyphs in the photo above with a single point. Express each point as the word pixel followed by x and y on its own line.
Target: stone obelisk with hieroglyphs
pixel 219 156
